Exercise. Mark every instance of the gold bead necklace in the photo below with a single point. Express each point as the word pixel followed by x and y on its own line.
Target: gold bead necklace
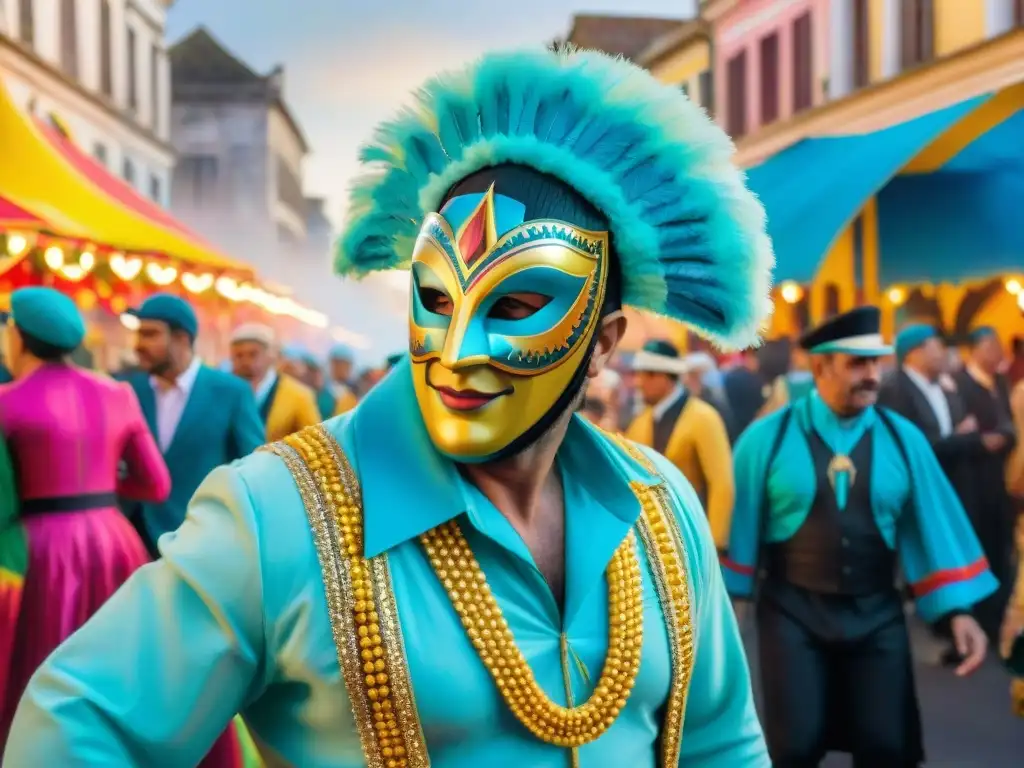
pixel 488 631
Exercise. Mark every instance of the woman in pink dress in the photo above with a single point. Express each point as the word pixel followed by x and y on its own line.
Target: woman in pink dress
pixel 74 441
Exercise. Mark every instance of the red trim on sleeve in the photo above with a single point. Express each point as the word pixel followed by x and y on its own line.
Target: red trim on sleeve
pixel 948 576
pixel 742 570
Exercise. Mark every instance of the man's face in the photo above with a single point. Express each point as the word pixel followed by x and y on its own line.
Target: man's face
pixel 989 353
pixel 694 381
pixel 654 387
pixel 933 356
pixel 296 369
pixel 153 346
pixel 848 383
pixel 250 360
pixel 341 370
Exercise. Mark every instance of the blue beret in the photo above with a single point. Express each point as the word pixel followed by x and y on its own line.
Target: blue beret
pixel 341 352
pixel 49 316
pixel 170 309
pixel 912 337
pixel 981 333
pixel 295 352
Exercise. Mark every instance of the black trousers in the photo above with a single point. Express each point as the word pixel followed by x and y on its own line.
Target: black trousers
pixel 837 675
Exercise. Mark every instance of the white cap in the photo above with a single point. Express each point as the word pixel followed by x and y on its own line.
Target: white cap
pixel 699 361
pixel 257 332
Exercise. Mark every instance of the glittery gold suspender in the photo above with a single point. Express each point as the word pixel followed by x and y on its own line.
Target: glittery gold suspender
pixel 666 550
pixel 360 601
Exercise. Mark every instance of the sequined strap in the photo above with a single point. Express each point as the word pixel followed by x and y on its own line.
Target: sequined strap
pixel 666 550
pixel 360 602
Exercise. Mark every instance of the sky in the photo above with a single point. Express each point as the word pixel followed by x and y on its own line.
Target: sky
pixel 351 63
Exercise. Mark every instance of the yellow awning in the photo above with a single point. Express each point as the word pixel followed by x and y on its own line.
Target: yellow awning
pixel 43 172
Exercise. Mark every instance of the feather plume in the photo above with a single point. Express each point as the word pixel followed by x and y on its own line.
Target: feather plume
pixel 689 236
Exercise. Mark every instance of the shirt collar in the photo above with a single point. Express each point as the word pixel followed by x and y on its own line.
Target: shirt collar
pixel 660 408
pixel 431 490
pixel 264 385
pixel 919 379
pixel 184 382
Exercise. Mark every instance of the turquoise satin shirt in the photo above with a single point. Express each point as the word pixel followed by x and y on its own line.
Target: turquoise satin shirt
pixel 234 619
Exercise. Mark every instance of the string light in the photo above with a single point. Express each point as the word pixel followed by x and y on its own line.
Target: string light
pixel 124 267
pixel 159 275
pixel 16 245
pixel 791 292
pixel 896 296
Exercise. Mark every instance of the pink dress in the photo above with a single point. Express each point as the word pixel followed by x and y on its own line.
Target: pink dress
pixel 65 546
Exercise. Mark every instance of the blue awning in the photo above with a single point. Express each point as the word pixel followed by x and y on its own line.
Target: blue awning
pixel 962 222
pixel 813 190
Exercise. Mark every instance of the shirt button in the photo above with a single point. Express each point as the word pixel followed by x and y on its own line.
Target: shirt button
pixel 845 541
pixel 847 570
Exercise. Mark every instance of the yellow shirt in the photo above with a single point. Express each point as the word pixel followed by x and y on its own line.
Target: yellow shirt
pixel 346 402
pixel 294 408
pixel 699 447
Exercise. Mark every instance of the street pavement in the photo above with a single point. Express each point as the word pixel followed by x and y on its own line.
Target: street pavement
pixel 967 722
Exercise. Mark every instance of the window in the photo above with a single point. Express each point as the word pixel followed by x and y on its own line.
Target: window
pixel 736 95
pixel 128 171
pixel 803 63
pixel 769 78
pixel 707 91
pixel 289 186
pixel 133 74
pixel 69 37
pixel 917 44
pixel 197 174
pixel 99 151
pixel 861 44
pixel 1018 13
pixel 156 189
pixel 106 50
pixel 27 21
pixel 155 91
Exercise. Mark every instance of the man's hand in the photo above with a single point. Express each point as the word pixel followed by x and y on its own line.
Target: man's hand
pixel 971 643
pixel 967 426
pixel 993 441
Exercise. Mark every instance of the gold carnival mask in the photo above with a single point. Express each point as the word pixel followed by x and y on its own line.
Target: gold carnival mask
pixel 502 316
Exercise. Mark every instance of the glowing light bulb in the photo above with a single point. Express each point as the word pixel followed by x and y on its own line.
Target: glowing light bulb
pixel 16 245
pixel 791 292
pixel 54 257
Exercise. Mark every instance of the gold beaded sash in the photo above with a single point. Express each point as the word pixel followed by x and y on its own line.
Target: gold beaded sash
pixel 360 601
pixel 364 616
pixel 666 551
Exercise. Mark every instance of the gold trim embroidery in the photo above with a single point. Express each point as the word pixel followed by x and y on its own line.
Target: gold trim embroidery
pixel 666 551
pixel 360 601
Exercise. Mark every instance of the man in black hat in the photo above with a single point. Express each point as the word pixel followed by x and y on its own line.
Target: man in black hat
pixel 831 491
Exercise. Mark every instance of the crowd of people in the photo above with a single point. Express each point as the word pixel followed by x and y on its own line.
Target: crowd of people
pixel 219 566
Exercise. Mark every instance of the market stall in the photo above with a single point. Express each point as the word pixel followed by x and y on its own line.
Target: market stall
pixel 67 222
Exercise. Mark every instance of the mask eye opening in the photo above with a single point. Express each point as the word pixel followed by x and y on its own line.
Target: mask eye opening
pixel 518 306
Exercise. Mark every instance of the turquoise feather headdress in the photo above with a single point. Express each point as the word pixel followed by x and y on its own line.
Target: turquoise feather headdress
pixel 689 236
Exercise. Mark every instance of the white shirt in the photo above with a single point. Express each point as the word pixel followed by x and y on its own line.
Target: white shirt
pixel 936 397
pixel 262 389
pixel 171 400
pixel 662 406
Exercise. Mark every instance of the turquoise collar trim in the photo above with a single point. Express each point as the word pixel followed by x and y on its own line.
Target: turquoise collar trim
pixel 412 488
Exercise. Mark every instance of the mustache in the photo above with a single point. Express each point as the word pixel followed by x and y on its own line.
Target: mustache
pixel 870 385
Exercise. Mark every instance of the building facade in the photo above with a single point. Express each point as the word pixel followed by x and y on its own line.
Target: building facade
pixel 240 152
pixel 100 68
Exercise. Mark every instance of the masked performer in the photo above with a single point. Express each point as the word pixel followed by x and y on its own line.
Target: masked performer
pixel 835 658
pixel 489 580
pixel 64 545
